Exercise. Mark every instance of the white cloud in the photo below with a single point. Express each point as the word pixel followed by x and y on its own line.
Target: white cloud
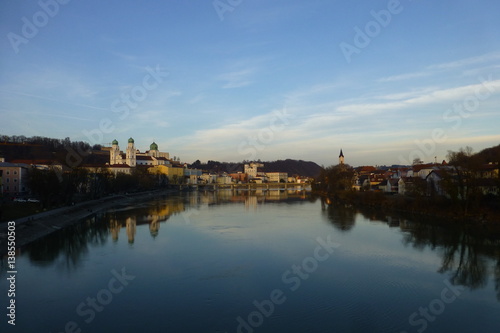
pixel 237 79
pixel 406 76
pixel 493 56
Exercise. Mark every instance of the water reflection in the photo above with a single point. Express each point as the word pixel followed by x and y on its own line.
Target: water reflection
pixel 341 216
pixel 497 277
pixel 467 258
pixel 152 214
pixel 67 247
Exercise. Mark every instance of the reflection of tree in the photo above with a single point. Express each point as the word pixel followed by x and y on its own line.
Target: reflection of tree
pixel 69 244
pixel 468 267
pixel 465 256
pixel 497 278
pixel 341 216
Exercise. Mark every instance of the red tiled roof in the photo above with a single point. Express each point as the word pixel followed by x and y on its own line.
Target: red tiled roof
pixel 366 169
pixel 39 162
pixel 418 167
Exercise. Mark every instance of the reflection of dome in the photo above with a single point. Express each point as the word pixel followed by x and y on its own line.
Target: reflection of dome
pixel 153 146
pixel 130 140
pixel 114 142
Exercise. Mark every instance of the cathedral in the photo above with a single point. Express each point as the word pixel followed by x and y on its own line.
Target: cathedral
pixel 133 157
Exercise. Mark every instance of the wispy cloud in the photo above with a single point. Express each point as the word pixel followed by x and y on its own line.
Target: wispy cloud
pixel 427 98
pixel 406 76
pixel 237 79
pixel 58 100
pixel 493 56
pixel 430 70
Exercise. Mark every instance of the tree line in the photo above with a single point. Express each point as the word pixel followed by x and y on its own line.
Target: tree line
pixel 54 188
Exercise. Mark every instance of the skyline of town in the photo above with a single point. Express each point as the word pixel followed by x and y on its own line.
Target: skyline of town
pixel 415 155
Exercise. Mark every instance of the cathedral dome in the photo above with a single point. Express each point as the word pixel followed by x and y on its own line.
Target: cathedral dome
pixel 153 146
pixel 115 142
pixel 130 140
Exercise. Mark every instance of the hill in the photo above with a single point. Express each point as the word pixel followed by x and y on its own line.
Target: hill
pixel 292 167
pixel 488 155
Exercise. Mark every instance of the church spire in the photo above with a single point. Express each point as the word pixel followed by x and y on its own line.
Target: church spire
pixel 341 157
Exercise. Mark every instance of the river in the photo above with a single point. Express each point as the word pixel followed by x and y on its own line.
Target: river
pixel 273 261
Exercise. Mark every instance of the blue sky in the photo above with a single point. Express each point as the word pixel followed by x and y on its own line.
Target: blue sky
pixel 386 81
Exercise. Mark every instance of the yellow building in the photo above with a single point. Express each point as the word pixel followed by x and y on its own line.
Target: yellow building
pixel 170 171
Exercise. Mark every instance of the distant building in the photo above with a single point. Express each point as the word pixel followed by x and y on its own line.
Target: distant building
pixel 277 177
pixel 252 169
pixel 224 179
pixel 208 178
pixel 341 157
pixel 133 157
pixel 405 185
pixel 14 178
pixel 172 172
pixel 239 177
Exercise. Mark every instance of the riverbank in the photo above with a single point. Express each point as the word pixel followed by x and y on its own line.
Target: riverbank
pixel 33 227
pixel 484 220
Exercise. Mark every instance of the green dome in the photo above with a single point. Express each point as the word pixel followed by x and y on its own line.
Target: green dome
pixel 114 142
pixel 130 140
pixel 153 146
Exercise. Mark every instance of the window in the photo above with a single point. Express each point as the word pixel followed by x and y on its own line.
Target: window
pixel 8 180
pixel 15 180
pixel 15 172
pixel 8 172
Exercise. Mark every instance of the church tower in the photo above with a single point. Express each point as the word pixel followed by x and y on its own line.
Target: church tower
pixel 341 157
pixel 130 156
pixel 114 154
pixel 153 150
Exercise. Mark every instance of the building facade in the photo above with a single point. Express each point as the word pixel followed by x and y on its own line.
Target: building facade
pixel 277 177
pixel 14 178
pixel 133 157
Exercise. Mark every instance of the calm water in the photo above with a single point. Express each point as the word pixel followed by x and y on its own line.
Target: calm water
pixel 282 262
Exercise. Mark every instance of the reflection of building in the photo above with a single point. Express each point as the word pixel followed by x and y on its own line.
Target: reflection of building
pixel 251 201
pixel 154 227
pixel 131 226
pixel 152 216
pixel 114 227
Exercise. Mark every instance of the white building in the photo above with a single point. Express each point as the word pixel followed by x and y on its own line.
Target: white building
pixel 277 177
pixel 251 169
pixel 133 157
pixel 224 179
